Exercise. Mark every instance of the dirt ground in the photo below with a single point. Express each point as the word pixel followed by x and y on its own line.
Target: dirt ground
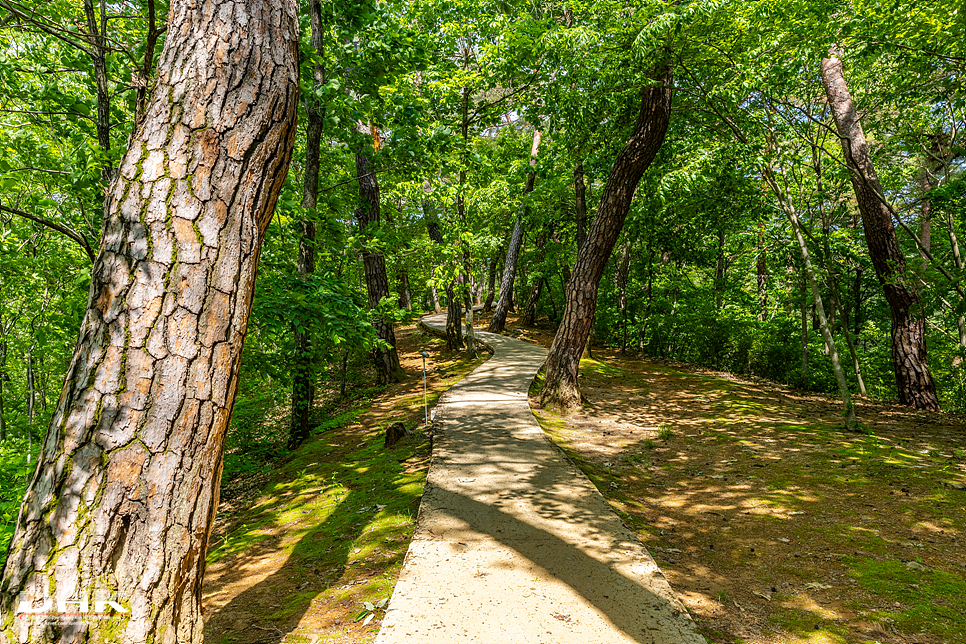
pixel 773 524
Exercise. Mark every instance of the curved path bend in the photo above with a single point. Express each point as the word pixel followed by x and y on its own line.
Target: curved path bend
pixel 513 544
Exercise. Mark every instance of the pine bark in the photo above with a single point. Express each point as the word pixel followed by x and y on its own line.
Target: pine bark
pixel 560 386
pixel 914 382
pixel 303 380
pixel 126 488
pixel 505 303
pixel 374 267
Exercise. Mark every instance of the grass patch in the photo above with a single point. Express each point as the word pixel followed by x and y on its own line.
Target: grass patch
pixel 930 600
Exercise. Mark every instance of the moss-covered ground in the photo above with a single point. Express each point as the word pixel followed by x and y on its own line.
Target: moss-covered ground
pixel 772 523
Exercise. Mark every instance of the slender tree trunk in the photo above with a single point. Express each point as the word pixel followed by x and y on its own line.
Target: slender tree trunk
pixel 402 287
pixel 304 375
pixel 374 265
pixel 623 271
pixel 831 349
pixel 804 306
pixel 560 387
pixel 434 298
pixel 650 285
pixel 147 64
pixel 856 366
pixel 491 286
pixel 454 319
pixel 3 381
pixel 31 391
pixel 529 317
pixel 530 312
pixel 580 204
pixel 719 272
pixel 857 300
pixel 913 379
pixel 960 264
pixel 97 36
pixel 125 491
pixel 467 280
pixel 505 303
pixel 761 266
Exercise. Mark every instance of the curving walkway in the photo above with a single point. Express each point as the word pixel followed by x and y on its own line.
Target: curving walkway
pixel 513 544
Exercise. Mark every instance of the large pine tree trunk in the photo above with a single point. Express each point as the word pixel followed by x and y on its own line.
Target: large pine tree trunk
pixel 303 380
pixel 505 303
pixel 126 487
pixel 374 266
pixel 913 380
pixel 560 386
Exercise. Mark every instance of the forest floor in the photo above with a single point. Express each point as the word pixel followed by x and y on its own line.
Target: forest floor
pixel 299 548
pixel 772 524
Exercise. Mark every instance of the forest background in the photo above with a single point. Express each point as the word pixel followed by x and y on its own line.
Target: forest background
pixel 448 137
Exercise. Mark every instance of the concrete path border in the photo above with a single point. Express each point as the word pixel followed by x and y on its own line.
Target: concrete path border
pixel 513 543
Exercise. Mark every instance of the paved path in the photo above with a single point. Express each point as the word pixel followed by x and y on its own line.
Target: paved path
pixel 513 544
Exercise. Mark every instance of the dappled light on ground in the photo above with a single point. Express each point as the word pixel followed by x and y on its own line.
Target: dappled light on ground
pixel 772 524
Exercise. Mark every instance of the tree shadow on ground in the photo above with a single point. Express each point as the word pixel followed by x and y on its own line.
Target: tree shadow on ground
pixel 360 506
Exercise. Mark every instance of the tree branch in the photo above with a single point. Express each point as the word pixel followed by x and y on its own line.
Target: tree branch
pixel 53 225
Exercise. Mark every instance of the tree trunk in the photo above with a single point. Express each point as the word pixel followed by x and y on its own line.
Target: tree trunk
pixel 856 366
pixel 529 317
pixel 913 380
pixel 505 303
pixel 560 386
pixel 374 265
pixel 719 272
pixel 434 298
pixel 304 376
pixel 580 204
pixel 97 36
pixel 623 270
pixel 402 287
pixel 3 379
pixel 125 491
pixel 491 286
pixel 761 266
pixel 857 300
pixel 824 327
pixel 454 319
pixel 804 312
pixel 530 312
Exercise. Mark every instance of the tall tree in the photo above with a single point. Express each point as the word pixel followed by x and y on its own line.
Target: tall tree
pixel 303 378
pixel 385 355
pixel 560 386
pixel 913 379
pixel 503 305
pixel 126 486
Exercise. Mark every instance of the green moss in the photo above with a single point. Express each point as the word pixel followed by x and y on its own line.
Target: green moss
pixel 930 600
